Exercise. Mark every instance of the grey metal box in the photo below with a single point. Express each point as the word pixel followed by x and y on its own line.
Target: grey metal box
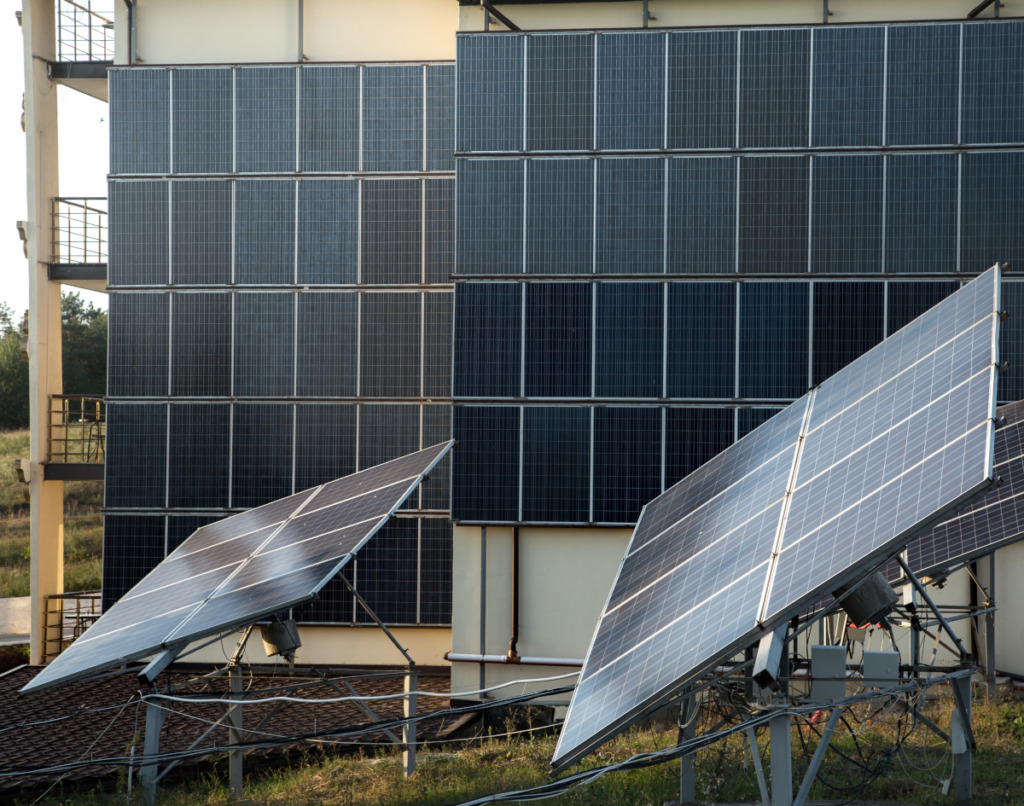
pixel 881 669
pixel 828 673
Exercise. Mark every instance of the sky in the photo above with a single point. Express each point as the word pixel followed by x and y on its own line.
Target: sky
pixel 84 156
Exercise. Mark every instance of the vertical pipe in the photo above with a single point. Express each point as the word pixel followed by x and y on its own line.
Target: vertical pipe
pixel 483 605
pixel 687 766
pixel 990 627
pixel 155 716
pixel 781 761
pixel 961 742
pixel 513 644
pixel 300 57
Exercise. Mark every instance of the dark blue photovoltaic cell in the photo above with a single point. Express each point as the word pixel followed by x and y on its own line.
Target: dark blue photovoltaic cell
pixel 1011 344
pixel 132 545
pixel 435 585
pixel 907 301
pixel 747 419
pixel 201 344
pixel 393 118
pixel 556 464
pixel 329 118
pixel 437 345
pixel 265 232
pixel 701 220
pixel 200 233
pixel 701 350
pixel 392 231
pixel 135 429
pixel 138 344
pixel 390 337
pixel 630 216
pixel 693 437
pixel 774 87
pixel 439 231
pixel 265 119
pixel 490 93
pixel 197 467
pixel 774 339
pixel 922 85
pixel 440 133
pixel 387 431
pixel 849 319
pixel 920 223
pixel 846 223
pixel 992 204
pixel 262 447
pixel 489 217
pixel 386 569
pixel 201 102
pixel 488 337
pixel 558 339
pixel 559 92
pixel 264 364
pixel 702 89
pixel 328 231
pixel 234 572
pixel 627 461
pixel 559 216
pixel 630 91
pixel 848 76
pixel 485 468
pixel 435 491
pixel 140 125
pixel 328 345
pixel 773 212
pixel 138 237
pixel 629 335
pixel 993 83
pixel 896 438
pixel 325 443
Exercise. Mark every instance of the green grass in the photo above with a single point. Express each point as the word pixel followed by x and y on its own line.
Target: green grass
pixel 725 771
pixel 83 526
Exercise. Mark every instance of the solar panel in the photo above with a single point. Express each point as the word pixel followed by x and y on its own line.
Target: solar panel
pixel 992 521
pixel 814 498
pixel 237 570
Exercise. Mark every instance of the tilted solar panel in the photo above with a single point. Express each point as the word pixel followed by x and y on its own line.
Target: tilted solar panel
pixel 814 498
pixel 232 572
pixel 993 520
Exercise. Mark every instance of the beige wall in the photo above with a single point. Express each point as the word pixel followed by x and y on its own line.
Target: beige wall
pixel 565 576
pixel 259 31
pixel 342 646
pixel 682 13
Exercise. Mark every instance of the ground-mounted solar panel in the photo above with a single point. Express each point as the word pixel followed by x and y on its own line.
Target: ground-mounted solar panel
pixel 990 522
pixel 813 499
pixel 234 571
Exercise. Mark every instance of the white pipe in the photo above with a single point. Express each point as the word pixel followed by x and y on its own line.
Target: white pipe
pixel 462 657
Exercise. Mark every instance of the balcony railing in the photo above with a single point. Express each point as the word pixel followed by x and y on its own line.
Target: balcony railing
pixel 68 615
pixel 79 230
pixel 77 429
pixel 85 32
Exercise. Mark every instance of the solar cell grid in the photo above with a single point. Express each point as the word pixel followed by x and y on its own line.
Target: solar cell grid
pixel 237 570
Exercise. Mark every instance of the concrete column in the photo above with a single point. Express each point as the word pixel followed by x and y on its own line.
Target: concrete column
pixel 47 505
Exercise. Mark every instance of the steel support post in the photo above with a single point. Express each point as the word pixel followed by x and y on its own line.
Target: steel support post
pixel 235 731
pixel 990 628
pixel 781 760
pixel 962 740
pixel 409 728
pixel 687 767
pixel 155 715
pixel 817 758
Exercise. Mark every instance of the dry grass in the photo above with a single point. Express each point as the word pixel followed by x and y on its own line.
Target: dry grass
pixel 725 772
pixel 83 526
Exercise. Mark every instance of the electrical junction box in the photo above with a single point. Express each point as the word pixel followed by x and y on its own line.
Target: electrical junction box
pixel 828 673
pixel 881 669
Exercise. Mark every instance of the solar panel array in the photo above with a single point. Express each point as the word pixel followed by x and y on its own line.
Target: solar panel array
pixel 814 498
pixel 994 520
pixel 237 570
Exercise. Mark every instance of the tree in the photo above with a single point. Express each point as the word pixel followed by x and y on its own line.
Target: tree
pixel 13 374
pixel 84 345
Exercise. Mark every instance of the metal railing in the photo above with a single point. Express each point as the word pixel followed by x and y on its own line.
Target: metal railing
pixel 85 33
pixel 78 229
pixel 77 429
pixel 68 615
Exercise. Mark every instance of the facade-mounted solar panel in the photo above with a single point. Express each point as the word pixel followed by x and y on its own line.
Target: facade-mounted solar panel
pixel 814 498
pixel 232 572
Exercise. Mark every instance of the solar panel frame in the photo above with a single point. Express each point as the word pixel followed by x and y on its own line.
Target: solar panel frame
pixel 217 571
pixel 643 681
